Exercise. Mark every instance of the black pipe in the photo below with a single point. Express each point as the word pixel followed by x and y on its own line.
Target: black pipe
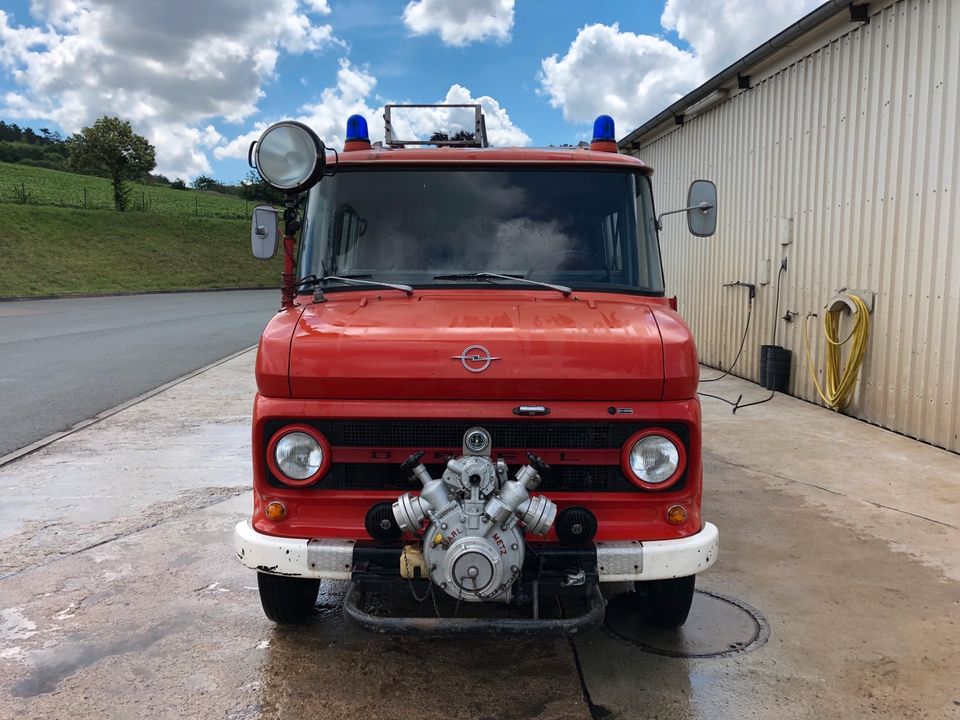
pixel 438 626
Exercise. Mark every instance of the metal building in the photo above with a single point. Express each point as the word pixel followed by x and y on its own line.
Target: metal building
pixel 834 145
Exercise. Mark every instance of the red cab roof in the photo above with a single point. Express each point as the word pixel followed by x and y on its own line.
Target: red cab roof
pixel 489 156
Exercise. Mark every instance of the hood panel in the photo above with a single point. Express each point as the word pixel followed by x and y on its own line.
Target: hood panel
pixel 546 348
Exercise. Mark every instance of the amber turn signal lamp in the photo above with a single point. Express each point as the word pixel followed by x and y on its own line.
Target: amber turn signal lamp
pixel 676 515
pixel 275 511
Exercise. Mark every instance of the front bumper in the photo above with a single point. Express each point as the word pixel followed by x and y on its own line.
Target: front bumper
pixel 341 559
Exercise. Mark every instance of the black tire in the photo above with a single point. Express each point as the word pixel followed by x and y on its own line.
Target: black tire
pixel 287 600
pixel 665 603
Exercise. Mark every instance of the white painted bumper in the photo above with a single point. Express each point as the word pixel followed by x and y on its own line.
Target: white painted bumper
pixel 321 558
pixel 658 559
pixel 616 561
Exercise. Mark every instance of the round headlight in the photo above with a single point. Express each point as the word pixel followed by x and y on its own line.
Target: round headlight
pixel 655 458
pixel 290 157
pixel 298 455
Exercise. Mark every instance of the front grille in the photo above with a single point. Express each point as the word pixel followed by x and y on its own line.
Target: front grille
pixel 577 478
pixel 507 435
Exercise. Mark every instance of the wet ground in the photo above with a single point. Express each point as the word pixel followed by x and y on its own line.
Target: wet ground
pixel 836 593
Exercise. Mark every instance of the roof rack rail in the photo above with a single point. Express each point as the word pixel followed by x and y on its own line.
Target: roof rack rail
pixel 479 131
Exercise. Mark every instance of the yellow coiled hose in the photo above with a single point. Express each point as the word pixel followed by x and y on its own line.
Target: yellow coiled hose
pixel 840 386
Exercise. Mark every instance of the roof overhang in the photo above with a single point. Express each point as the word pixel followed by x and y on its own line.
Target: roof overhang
pixel 737 77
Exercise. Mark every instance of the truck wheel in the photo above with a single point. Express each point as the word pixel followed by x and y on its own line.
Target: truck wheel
pixel 665 603
pixel 287 600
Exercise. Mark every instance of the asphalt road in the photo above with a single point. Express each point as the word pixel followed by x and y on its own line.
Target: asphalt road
pixel 63 361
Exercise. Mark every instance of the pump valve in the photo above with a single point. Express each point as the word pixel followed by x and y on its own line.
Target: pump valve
pixel 411 462
pixel 537 463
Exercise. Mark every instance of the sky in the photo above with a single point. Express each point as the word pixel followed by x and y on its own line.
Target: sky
pixel 202 78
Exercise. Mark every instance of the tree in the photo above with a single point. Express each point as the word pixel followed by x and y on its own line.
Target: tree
pixel 110 145
pixel 205 182
pixel 253 188
pixel 459 136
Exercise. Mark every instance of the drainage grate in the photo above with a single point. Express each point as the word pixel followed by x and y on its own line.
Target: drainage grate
pixel 719 626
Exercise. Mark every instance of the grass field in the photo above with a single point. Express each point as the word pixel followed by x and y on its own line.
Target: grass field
pixel 22 184
pixel 50 250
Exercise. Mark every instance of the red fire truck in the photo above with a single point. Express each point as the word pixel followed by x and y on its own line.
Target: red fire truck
pixel 475 390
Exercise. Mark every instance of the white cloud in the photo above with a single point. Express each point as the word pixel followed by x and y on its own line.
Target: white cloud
pixel 353 94
pixel 320 7
pixel 632 77
pixel 460 22
pixel 142 61
pixel 621 74
pixel 722 31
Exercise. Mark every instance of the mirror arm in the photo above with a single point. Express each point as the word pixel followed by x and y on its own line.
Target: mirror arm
pixel 703 207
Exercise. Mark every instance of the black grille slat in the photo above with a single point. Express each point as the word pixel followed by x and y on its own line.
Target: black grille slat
pixel 353 476
pixel 506 435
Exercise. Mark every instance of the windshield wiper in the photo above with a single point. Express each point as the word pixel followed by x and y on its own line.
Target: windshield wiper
pixel 354 280
pixel 496 276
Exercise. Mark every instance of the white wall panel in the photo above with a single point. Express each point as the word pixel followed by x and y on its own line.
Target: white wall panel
pixel 857 143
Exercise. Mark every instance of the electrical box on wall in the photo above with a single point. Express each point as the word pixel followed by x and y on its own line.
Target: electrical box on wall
pixel 763 271
pixel 786 231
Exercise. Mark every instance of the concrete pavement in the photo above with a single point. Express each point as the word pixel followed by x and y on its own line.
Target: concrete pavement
pixel 124 600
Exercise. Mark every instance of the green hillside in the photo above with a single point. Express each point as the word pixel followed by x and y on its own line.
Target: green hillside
pixel 23 184
pixel 50 250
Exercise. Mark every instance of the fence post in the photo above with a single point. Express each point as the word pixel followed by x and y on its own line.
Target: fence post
pixel 196 206
pixel 84 198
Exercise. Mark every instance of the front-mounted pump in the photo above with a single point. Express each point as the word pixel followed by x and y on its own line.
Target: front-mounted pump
pixel 473 547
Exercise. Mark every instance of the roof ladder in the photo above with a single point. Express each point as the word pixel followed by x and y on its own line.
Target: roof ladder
pixel 479 139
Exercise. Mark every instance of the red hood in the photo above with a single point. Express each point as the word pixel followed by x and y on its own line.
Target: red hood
pixel 546 347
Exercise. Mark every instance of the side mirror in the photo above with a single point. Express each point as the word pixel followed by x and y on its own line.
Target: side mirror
pixel 702 208
pixel 264 232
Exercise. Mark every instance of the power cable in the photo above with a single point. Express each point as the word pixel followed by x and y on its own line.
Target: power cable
pixel 743 340
pixel 721 399
pixel 776 315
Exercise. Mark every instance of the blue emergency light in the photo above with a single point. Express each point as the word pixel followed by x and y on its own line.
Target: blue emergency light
pixel 357 129
pixel 603 130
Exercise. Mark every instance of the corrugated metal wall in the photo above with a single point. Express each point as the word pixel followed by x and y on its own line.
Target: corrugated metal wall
pixel 857 144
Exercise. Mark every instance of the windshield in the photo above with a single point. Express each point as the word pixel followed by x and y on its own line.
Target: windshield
pixel 586 229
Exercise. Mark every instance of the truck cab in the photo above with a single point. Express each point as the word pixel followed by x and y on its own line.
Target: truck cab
pixel 476 386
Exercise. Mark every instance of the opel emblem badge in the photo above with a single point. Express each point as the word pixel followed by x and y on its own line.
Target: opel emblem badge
pixel 475 358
